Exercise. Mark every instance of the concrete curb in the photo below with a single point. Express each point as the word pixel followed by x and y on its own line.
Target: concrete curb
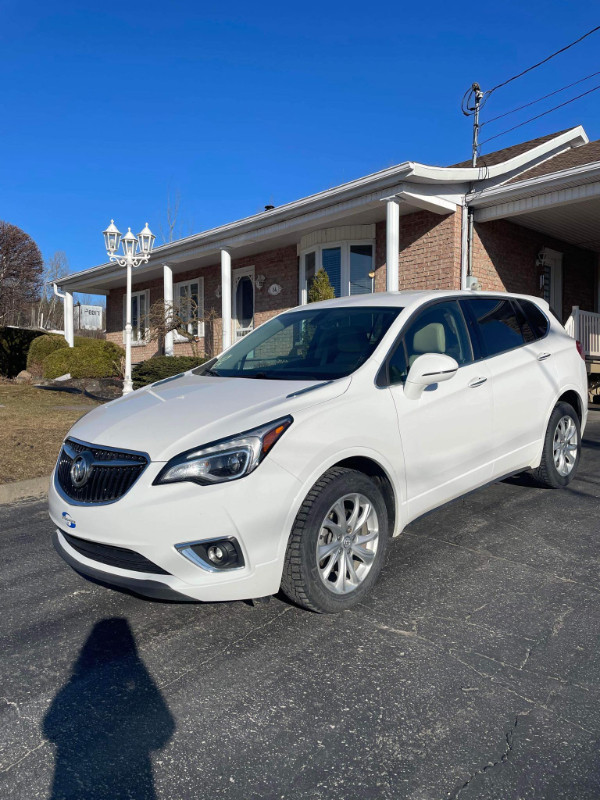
pixel 21 490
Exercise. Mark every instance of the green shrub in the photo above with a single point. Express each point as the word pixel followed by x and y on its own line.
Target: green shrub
pixel 99 360
pixel 321 288
pixel 57 363
pixel 42 347
pixel 14 346
pixel 96 359
pixel 155 369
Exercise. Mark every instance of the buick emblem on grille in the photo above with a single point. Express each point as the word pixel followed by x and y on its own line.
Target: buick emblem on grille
pixel 81 468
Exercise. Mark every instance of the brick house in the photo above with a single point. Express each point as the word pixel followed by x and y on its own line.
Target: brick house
pixel 525 219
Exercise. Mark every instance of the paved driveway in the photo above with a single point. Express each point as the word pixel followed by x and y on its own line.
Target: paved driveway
pixel 473 671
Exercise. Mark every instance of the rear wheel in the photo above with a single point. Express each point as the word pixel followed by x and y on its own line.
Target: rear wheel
pixel 337 545
pixel 562 448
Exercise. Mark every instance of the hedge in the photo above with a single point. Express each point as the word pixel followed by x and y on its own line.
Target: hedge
pixel 42 347
pixel 14 345
pixel 49 343
pixel 155 369
pixel 95 358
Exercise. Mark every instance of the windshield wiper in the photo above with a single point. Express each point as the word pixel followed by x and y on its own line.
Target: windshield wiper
pixel 213 373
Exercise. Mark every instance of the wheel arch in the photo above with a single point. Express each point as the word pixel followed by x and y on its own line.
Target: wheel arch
pixel 573 399
pixel 368 466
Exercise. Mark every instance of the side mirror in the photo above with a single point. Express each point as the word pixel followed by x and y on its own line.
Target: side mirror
pixel 428 369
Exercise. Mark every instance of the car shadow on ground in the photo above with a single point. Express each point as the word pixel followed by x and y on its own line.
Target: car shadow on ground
pixel 106 721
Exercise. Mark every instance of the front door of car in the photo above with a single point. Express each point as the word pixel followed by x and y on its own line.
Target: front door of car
pixel 523 377
pixel 446 433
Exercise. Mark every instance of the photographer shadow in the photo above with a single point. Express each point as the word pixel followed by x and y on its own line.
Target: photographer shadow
pixel 107 720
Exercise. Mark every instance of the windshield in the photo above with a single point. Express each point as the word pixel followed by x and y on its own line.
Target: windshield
pixel 310 344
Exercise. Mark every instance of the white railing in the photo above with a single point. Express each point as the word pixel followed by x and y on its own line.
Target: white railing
pixel 584 326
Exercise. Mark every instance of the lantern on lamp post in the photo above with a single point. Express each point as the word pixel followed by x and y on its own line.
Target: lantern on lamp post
pixel 136 250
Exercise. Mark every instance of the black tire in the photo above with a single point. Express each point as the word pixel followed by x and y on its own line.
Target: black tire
pixel 547 474
pixel 302 581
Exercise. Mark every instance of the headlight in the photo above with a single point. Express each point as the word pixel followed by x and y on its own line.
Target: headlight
pixel 225 460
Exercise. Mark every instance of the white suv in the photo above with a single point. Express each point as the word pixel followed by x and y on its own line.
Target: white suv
pixel 290 459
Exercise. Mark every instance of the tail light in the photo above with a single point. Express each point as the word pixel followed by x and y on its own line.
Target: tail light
pixel 580 350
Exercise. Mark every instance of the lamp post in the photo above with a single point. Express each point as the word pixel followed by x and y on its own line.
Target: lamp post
pixel 136 250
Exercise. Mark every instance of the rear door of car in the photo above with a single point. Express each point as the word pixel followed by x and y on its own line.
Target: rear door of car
pixel 447 432
pixel 523 379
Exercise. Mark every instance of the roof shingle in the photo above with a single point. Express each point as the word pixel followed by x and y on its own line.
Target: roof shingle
pixel 498 156
pixel 574 157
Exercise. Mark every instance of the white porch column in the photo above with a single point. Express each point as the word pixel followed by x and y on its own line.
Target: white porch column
pixel 226 297
pixel 168 298
pixel 392 244
pixel 68 315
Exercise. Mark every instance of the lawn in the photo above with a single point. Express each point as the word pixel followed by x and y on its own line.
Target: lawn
pixel 33 424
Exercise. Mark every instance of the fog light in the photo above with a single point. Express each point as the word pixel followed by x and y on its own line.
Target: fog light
pixel 214 554
pixel 221 554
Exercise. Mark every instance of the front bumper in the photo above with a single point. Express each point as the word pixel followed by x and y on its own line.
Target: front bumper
pixel 152 520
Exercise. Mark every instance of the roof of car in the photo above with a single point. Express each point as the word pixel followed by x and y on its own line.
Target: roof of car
pixel 409 298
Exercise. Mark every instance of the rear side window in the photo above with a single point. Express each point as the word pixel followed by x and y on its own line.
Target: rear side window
pixel 537 320
pixel 498 325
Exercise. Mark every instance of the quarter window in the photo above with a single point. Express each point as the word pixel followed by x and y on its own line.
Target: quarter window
pixel 498 325
pixel 537 319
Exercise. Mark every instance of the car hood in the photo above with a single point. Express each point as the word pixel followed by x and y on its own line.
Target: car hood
pixel 191 410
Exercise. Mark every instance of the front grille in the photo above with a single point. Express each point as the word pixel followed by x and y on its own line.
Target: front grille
pixel 113 556
pixel 112 474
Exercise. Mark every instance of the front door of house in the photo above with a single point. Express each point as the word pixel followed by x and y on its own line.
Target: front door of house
pixel 243 302
pixel 553 280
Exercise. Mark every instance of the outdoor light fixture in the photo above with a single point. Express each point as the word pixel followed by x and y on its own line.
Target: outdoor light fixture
pixel 136 250
pixel 112 237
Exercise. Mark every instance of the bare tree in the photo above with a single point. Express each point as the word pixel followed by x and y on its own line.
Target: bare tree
pixel 21 270
pixel 50 307
pixel 174 227
pixel 186 319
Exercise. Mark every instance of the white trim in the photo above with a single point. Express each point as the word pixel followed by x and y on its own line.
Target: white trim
pixel 344 246
pixel 329 204
pixel 392 245
pixel 434 203
pixel 580 176
pixel 342 233
pixel 176 286
pixel 562 197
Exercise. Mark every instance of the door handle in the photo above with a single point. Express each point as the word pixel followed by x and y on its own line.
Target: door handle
pixel 476 382
pixel 543 356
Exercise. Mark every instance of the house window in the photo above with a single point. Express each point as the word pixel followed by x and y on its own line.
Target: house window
pixel 349 265
pixel 139 316
pixel 188 297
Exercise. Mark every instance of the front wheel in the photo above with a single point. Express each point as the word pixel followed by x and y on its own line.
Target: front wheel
pixel 562 448
pixel 337 546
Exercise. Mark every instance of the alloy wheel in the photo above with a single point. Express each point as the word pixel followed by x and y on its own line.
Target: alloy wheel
pixel 565 446
pixel 347 543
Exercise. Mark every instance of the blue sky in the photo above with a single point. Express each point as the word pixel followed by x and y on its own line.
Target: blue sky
pixel 108 106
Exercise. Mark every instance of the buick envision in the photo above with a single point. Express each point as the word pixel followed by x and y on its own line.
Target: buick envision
pixel 292 458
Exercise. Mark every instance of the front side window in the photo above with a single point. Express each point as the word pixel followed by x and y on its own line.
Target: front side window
pixel 439 329
pixel 310 344
pixel 350 267
pixel 497 323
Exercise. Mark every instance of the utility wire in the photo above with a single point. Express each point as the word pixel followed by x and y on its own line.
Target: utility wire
pixel 543 114
pixel 539 100
pixel 544 61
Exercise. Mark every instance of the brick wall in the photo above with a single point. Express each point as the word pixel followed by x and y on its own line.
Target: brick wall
pixel 430 251
pixel 279 266
pixel 504 256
